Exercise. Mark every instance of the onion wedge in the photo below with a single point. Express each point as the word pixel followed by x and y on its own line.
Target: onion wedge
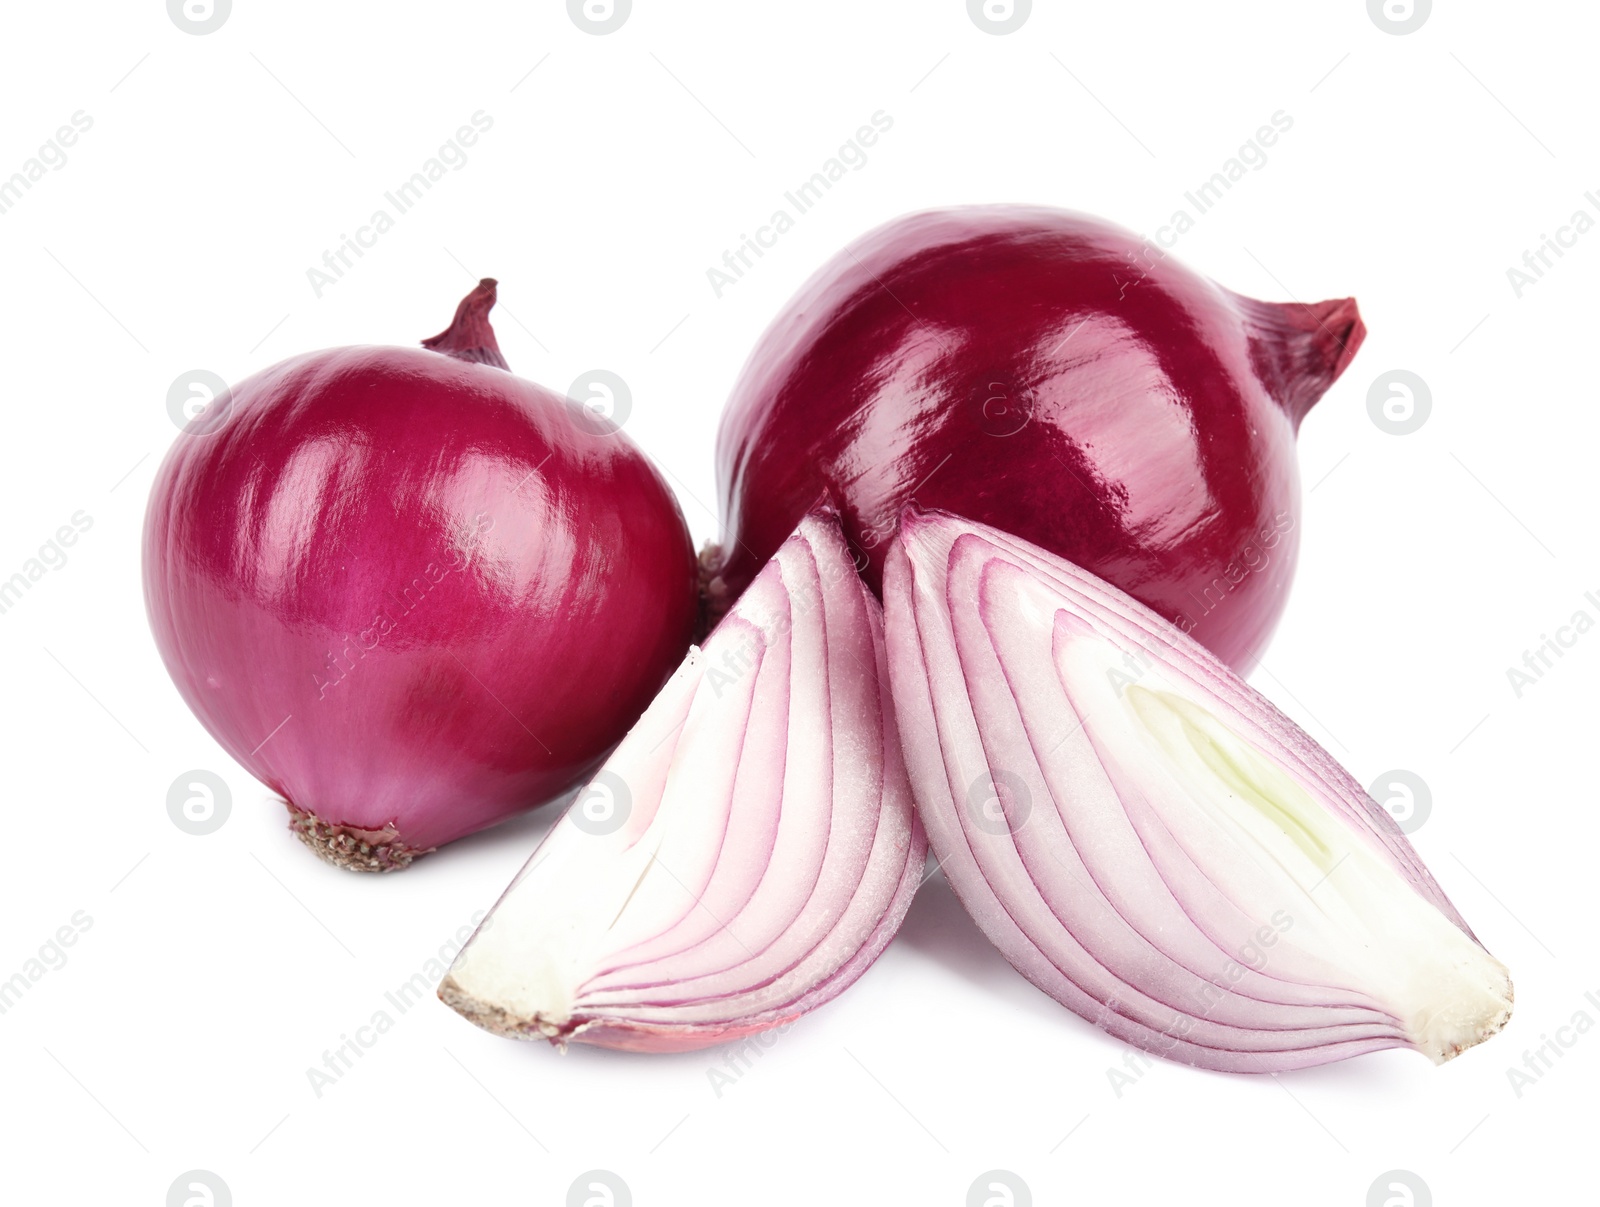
pixel 1146 838
pixel 744 855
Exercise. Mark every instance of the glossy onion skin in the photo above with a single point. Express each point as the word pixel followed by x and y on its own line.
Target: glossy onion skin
pixel 403 589
pixel 1049 374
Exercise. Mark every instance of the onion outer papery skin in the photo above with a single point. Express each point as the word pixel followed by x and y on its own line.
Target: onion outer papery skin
pixel 1053 375
pixel 1148 839
pixel 744 855
pixel 411 592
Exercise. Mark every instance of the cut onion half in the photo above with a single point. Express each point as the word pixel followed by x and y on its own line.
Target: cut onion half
pixel 744 855
pixel 1146 838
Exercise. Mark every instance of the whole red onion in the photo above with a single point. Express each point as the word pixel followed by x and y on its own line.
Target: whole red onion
pixel 410 592
pixel 1054 376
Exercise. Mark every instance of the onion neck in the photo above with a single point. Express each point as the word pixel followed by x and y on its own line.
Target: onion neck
pixel 1298 350
pixel 469 336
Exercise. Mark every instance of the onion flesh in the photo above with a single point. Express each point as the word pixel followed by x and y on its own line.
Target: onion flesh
pixel 1148 839
pixel 742 857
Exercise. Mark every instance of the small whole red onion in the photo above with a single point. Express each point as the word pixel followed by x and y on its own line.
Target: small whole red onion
pixel 1054 376
pixel 413 593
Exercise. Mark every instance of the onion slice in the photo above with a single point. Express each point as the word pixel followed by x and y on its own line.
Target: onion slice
pixel 1146 838
pixel 744 855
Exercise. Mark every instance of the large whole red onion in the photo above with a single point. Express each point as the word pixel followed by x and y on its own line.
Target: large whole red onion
pixel 1056 377
pixel 413 593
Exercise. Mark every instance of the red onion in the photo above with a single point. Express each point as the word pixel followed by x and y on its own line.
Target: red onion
pixel 410 592
pixel 1052 375
pixel 1146 838
pixel 743 856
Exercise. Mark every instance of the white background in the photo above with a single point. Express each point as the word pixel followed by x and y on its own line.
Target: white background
pixel 178 235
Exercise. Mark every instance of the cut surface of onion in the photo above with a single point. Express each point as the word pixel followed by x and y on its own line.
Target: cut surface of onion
pixel 744 855
pixel 1146 838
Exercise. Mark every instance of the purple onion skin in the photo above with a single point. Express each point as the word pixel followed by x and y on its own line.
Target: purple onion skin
pixel 408 590
pixel 1051 375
